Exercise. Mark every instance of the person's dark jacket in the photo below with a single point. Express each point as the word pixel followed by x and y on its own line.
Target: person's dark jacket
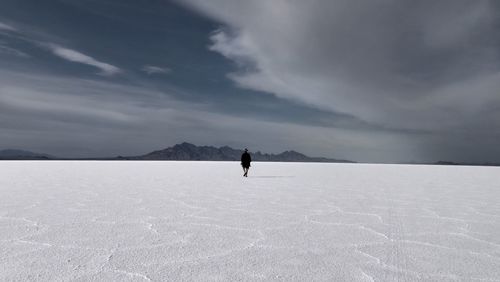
pixel 246 159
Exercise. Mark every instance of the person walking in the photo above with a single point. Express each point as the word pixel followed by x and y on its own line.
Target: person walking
pixel 245 162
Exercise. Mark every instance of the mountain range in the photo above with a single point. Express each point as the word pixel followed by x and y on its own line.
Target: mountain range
pixel 189 152
pixel 185 152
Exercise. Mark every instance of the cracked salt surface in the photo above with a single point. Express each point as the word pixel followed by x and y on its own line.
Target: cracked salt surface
pixel 202 221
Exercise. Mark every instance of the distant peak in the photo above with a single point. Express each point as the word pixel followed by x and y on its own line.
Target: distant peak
pixel 291 152
pixel 184 145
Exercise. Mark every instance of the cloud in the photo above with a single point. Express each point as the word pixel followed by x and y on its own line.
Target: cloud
pixel 80 117
pixel 395 80
pixel 391 63
pixel 6 27
pixel 77 57
pixel 71 55
pixel 12 51
pixel 149 69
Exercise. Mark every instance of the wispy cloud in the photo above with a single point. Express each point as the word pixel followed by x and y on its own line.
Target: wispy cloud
pixel 77 57
pixel 4 26
pixel 7 31
pixel 149 69
pixel 47 44
pixel 12 51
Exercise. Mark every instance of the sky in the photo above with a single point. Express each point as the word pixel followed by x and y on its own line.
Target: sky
pixel 372 81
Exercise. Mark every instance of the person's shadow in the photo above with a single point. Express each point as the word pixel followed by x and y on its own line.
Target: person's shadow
pixel 271 176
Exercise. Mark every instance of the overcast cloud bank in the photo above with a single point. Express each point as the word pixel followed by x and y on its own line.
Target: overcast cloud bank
pixel 431 66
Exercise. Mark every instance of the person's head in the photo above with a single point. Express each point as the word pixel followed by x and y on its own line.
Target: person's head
pixel 246 150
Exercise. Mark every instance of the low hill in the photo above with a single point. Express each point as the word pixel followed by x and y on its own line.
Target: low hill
pixel 12 154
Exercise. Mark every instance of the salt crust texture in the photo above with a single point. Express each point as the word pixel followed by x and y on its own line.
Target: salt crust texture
pixel 202 221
